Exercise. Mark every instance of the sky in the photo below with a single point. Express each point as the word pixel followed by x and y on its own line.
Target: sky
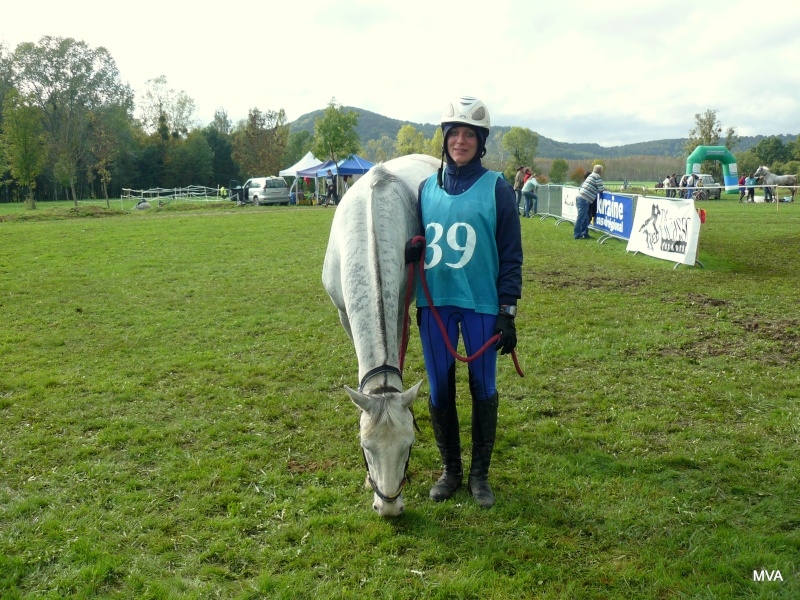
pixel 611 73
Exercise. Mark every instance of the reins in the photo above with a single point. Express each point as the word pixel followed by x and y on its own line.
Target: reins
pixel 453 352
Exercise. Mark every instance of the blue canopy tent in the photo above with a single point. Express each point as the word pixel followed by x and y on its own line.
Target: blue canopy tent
pixel 312 171
pixel 352 165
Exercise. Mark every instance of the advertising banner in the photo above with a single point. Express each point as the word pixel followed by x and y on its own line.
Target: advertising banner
pixel 666 229
pixel 569 209
pixel 615 215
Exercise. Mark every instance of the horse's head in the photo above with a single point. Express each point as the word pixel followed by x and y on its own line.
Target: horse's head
pixel 760 172
pixel 387 433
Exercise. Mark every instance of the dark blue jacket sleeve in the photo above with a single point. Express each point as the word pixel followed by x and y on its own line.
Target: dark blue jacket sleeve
pixel 508 236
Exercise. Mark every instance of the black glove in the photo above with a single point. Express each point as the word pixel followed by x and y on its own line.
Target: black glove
pixel 414 251
pixel 508 334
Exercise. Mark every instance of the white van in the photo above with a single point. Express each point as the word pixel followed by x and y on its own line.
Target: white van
pixel 266 190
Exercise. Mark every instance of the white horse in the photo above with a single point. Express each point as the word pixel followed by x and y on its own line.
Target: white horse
pixel 366 277
pixel 774 181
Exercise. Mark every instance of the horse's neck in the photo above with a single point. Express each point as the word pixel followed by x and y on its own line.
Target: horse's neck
pixel 376 325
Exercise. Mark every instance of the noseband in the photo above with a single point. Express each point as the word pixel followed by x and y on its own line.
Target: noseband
pixel 374 486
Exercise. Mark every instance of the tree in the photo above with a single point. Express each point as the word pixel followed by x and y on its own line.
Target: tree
pixel 258 147
pixel 578 175
pixel 67 79
pixel 409 141
pixel 107 128
pixel 558 170
pixel 707 131
pixel 298 145
pixel 436 143
pixel 190 161
pixel 6 76
pixel 771 150
pixel 379 150
pixel 221 122
pixel 521 145
pixel 25 140
pixel 223 166
pixel 335 133
pixel 177 108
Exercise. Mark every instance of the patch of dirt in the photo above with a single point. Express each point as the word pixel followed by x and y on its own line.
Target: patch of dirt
pixel 564 280
pixel 775 339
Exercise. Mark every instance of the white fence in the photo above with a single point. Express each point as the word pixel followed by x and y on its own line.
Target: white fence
pixel 194 193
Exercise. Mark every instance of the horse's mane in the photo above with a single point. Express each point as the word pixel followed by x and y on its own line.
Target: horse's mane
pixel 385 414
pixel 384 186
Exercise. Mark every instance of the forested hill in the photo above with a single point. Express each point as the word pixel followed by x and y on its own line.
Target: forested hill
pixel 372 126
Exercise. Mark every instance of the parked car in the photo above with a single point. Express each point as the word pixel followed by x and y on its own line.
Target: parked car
pixel 260 191
pixel 712 187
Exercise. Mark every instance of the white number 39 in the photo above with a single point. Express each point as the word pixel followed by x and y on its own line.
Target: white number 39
pixel 467 249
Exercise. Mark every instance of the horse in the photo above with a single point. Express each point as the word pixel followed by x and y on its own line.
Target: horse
pixel 774 181
pixel 366 277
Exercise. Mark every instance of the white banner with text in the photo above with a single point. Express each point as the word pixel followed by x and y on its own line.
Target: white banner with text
pixel 666 229
pixel 569 209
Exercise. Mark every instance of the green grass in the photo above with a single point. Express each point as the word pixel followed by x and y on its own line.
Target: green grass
pixel 173 424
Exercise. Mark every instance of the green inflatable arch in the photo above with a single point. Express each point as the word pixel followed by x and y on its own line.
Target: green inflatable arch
pixel 729 171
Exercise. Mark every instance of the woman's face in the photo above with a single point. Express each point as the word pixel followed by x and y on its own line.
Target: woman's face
pixel 462 145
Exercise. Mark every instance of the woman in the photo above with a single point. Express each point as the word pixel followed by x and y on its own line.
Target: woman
pixel 473 269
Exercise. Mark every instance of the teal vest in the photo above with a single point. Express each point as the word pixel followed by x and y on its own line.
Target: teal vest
pixel 461 262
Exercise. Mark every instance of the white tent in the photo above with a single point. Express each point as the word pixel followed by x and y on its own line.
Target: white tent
pixel 307 162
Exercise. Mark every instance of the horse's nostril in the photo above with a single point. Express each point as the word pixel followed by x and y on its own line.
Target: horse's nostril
pixel 375 507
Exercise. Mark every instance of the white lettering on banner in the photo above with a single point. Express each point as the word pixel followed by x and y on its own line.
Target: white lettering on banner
pixel 610 224
pixel 611 208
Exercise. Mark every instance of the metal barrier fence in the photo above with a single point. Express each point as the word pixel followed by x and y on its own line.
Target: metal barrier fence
pixel 551 204
pixel 192 192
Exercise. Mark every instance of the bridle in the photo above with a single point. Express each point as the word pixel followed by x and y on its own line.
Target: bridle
pixel 406 478
pixel 374 486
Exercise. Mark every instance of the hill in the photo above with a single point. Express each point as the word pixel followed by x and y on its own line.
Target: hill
pixel 372 126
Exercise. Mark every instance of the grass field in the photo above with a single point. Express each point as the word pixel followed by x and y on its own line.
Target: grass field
pixel 173 424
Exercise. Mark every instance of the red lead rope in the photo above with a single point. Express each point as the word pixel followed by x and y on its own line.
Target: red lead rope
pixel 490 342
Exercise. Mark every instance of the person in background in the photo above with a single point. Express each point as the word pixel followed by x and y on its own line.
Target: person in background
pixel 591 186
pixel 690 181
pixel 531 197
pixel 330 188
pixel 750 183
pixel 668 192
pixel 742 188
pixel 473 269
pixel 518 182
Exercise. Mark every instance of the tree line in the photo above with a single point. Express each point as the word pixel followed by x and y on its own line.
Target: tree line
pixel 68 131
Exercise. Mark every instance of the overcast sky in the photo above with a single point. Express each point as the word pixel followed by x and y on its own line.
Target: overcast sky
pixel 612 72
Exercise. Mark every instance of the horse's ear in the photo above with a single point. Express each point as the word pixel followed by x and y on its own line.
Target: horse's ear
pixel 410 394
pixel 362 401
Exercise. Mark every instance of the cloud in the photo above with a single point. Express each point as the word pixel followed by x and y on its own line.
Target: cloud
pixel 575 71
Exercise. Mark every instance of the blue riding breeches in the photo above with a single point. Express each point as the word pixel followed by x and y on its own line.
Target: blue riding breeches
pixel 475 328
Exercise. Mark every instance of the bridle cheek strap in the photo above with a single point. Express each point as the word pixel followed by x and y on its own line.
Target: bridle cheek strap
pixel 374 486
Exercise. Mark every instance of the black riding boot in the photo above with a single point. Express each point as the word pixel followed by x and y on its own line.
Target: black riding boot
pixel 484 429
pixel 448 440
